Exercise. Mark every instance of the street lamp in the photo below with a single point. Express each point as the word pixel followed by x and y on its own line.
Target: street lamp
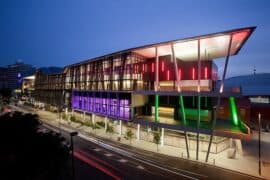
pixel 259 124
pixel 74 133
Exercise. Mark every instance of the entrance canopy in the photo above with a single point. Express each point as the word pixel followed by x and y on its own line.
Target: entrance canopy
pixel 212 46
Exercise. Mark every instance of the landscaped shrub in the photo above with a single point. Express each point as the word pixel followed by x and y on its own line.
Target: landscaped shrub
pixel 101 124
pixel 156 138
pixel 73 119
pixel 129 135
pixel 64 116
pixel 89 124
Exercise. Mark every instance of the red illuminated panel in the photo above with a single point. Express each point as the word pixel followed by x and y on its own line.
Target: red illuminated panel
pixel 168 75
pixel 238 39
pixel 193 73
pixel 205 73
pixel 162 66
pixel 179 74
pixel 136 68
pixel 152 67
pixel 143 68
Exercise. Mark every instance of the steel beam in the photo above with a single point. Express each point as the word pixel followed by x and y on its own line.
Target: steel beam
pixel 176 70
pixel 156 85
pixel 156 70
pixel 199 100
pixel 181 103
pixel 156 107
pixel 219 97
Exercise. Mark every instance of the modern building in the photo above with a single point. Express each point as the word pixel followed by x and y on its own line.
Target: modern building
pixel 45 82
pixel 169 85
pixel 11 76
pixel 28 87
pixel 256 88
pixel 3 78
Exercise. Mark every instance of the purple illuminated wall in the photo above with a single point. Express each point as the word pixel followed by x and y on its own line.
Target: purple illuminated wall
pixel 111 107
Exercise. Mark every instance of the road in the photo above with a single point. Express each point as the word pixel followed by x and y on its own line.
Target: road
pixel 114 160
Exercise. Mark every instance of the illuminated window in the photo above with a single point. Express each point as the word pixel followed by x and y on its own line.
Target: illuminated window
pixel 162 66
pixel 179 74
pixel 193 73
pixel 168 75
pixel 205 73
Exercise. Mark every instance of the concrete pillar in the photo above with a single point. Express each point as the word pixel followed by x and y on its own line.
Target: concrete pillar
pixel 162 137
pixel 138 131
pixel 230 143
pixel 93 119
pixel 120 127
pixel 239 147
pixel 106 123
pixel 66 111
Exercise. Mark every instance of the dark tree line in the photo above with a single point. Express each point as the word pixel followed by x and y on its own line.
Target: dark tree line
pixel 26 153
pixel 5 94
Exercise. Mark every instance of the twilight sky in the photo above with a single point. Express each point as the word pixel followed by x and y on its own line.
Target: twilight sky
pixel 62 32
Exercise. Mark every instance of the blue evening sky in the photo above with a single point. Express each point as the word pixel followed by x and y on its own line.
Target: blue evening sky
pixel 62 32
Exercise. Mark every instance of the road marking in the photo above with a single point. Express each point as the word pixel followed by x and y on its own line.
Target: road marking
pixel 97 149
pixel 202 175
pixel 140 167
pixel 123 152
pixel 122 160
pixel 108 154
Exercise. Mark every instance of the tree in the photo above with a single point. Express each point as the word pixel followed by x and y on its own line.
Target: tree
pixel 5 93
pixel 28 153
pixel 156 138
pixel 129 135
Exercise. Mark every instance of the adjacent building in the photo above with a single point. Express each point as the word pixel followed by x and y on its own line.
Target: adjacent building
pixel 11 77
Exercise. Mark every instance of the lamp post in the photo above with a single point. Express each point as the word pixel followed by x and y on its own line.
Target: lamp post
pixel 259 124
pixel 74 133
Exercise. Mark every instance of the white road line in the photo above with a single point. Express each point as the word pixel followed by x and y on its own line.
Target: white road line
pixel 97 149
pixel 122 160
pixel 140 167
pixel 190 172
pixel 108 154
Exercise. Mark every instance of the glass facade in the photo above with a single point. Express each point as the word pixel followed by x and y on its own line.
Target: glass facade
pixel 113 105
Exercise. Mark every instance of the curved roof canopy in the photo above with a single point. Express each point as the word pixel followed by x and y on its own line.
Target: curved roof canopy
pixel 212 46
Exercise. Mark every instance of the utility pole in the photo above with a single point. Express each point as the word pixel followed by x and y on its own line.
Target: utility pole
pixel 259 119
pixel 72 152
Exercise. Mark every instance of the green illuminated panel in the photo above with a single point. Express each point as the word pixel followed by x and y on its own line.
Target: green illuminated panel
pixel 234 111
pixel 156 107
pixel 192 114
pixel 181 103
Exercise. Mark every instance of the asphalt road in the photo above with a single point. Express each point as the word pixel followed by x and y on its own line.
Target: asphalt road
pixel 103 159
pixel 118 165
pixel 124 162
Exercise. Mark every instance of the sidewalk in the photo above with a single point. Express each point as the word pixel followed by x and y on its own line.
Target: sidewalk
pixel 248 163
